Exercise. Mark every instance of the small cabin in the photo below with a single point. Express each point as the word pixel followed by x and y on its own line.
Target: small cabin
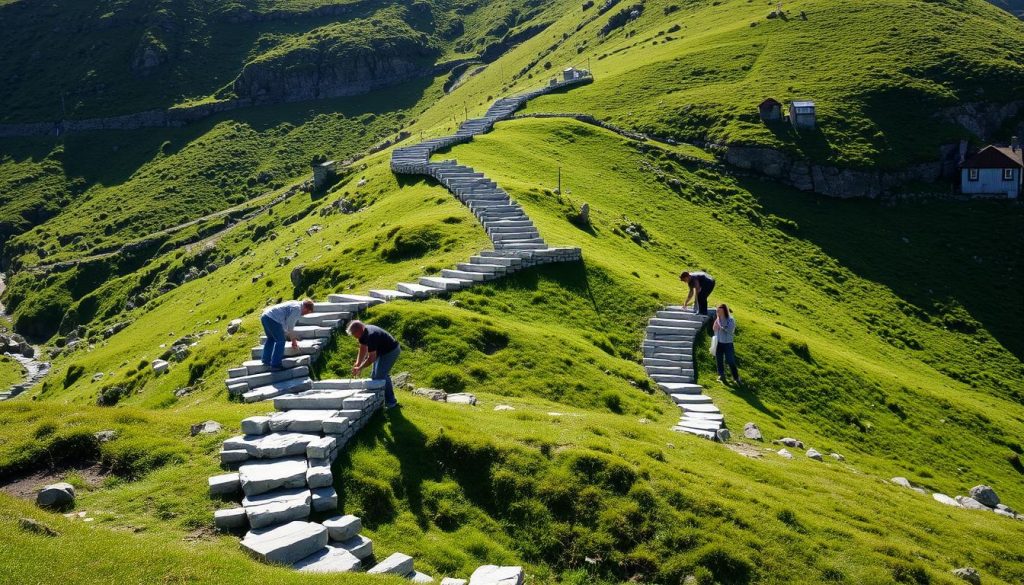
pixel 802 114
pixel 572 73
pixel 770 110
pixel 993 170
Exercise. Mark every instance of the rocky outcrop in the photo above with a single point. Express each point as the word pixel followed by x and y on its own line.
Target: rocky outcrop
pixel 983 119
pixel 836 181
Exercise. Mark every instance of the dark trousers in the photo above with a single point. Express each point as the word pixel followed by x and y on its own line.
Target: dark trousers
pixel 726 352
pixel 702 298
pixel 273 349
pixel 382 371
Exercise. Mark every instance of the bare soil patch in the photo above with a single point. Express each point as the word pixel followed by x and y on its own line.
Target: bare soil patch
pixel 26 487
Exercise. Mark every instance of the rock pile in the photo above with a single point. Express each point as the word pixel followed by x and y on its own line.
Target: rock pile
pixel 982 497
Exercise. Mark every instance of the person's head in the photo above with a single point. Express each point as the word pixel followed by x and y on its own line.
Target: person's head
pixel 723 311
pixel 307 306
pixel 685 276
pixel 355 328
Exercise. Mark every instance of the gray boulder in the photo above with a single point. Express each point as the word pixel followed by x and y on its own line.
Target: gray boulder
pixel 494 575
pixel 234 326
pixel 56 495
pixel 752 432
pixel 723 435
pixel 462 398
pixel 160 366
pixel 453 581
pixel 985 495
pixel 790 442
pixel 296 276
pixel 902 482
pixel 972 504
pixel 786 454
pixel 104 436
pixel 431 393
pixel 206 428
pixel 944 499
pixel 969 574
pixel 813 454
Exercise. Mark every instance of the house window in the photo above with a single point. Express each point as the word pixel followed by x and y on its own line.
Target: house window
pixel 1007 174
pixel 972 174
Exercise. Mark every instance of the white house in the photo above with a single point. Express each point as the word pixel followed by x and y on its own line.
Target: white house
pixel 993 170
pixel 802 114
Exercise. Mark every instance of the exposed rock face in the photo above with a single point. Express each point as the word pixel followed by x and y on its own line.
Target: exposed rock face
pixel 835 181
pixel 968 574
pixel 983 119
pixel 331 63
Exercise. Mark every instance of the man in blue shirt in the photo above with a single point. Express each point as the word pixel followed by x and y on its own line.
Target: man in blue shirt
pixel 380 348
pixel 279 325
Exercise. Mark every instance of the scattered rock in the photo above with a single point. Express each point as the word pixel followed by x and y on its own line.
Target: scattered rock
pixel 723 435
pixel 462 398
pixel 969 574
pixel 985 495
pixel 206 428
pixel 644 421
pixel 785 453
pixel 837 456
pixel 902 482
pixel 104 436
pixel 234 326
pixel 160 366
pixel 972 504
pixel 790 442
pixel 56 495
pixel 97 376
pixel 944 499
pixel 1005 508
pixel 431 393
pixel 183 391
pixel 493 575
pixel 584 217
pixel 752 432
pixel 296 276
pixel 402 380
pixel 453 581
pixel 813 454
pixel 36 527
pixel 503 407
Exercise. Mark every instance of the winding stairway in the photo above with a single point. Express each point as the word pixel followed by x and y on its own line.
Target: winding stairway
pixel 279 468
pixel 668 360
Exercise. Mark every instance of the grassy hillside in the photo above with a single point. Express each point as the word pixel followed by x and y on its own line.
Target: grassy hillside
pixel 890 335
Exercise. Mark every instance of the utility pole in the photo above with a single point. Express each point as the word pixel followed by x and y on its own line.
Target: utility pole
pixel 559 179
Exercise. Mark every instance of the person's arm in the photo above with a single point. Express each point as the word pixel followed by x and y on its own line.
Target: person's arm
pixel 717 325
pixel 289 333
pixel 689 295
pixel 359 359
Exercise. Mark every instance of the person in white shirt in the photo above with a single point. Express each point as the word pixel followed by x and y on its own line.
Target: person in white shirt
pixel 279 325
pixel 725 330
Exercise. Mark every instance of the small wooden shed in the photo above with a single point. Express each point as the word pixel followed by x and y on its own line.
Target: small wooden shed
pixel 802 114
pixel 770 110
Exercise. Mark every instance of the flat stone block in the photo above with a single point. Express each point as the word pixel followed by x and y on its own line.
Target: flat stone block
pixel 314 400
pixel 256 425
pixel 494 575
pixel 272 446
pixel 358 545
pixel 227 483
pixel 342 528
pixel 319 476
pixel 259 477
pixel 336 425
pixel 325 499
pixel 417 577
pixel 320 448
pixel 285 544
pixel 396 564
pixel 330 559
pixel 453 581
pixel 234 456
pixel 277 507
pixel 300 421
pixel 232 519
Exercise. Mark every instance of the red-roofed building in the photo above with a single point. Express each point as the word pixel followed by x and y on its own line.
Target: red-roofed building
pixel 993 170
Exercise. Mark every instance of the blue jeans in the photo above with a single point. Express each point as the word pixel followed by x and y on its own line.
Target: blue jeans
pixel 382 371
pixel 273 349
pixel 728 352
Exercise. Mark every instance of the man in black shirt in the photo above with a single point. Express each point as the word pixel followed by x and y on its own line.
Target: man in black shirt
pixel 377 347
pixel 701 284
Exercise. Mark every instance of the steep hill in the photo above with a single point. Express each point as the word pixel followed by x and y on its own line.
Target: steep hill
pixel 889 334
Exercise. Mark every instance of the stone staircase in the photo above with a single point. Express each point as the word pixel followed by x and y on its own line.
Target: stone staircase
pixel 668 360
pixel 280 466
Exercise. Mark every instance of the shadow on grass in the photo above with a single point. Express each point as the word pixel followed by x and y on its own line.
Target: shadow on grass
pixel 934 255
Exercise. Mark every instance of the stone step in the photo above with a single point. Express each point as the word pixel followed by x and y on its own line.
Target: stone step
pixel 528 237
pixel 666 363
pixel 418 290
pixel 492 260
pixel 341 528
pixel 277 389
pixel 699 432
pixel 509 223
pixel 490 269
pixel 307 332
pixel 271 446
pixel 308 347
pixel 316 400
pixel 265 475
pixel 671 378
pixel 337 307
pixel 680 398
pixel 397 564
pixel 463 275
pixel 300 420
pixel 511 229
pixel 285 544
pixel 527 245
pixel 684 324
pixel 253 367
pixel 669 370
pixel 684 344
pixel 705 416
pixel 710 408
pixel 330 559
pixel 681 387
pixel 445 283
pixel 269 377
pixel 362 300
pixel 390 295
pixel 325 499
pixel 668 354
pixel 323 318
pixel 349 384
pixel 700 423
pixel 687 315
pixel 360 546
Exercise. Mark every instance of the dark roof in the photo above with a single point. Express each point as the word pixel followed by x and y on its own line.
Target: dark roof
pixel 769 102
pixel 995 157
